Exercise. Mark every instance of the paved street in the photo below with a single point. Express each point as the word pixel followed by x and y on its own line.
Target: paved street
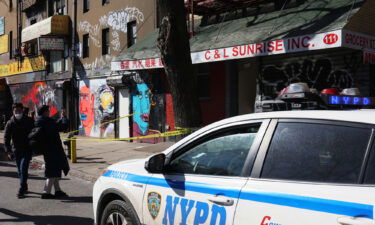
pixel 76 209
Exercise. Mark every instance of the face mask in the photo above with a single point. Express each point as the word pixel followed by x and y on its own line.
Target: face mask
pixel 18 116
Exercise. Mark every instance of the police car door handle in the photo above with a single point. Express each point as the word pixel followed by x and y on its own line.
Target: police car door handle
pixel 346 220
pixel 221 200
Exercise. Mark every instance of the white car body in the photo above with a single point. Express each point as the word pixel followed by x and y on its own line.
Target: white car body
pixel 214 199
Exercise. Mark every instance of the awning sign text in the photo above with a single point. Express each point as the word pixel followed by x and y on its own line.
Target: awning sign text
pixel 332 39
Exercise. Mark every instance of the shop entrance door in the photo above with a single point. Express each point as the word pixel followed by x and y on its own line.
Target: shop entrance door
pixel 124 101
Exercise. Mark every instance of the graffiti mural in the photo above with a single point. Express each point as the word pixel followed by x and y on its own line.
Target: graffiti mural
pixel 318 73
pixel 96 108
pixel 116 41
pixel 148 104
pixel 92 30
pixel 117 20
pixel 33 95
pixel 99 62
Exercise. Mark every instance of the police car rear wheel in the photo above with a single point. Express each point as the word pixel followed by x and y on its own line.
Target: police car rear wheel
pixel 118 212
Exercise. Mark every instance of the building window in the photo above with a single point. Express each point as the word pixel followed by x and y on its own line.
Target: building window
pixel 57 61
pixel 33 21
pixel 10 41
pixel 105 2
pixel 57 7
pixel 86 5
pixel 85 46
pixel 132 33
pixel 15 48
pixel 10 5
pixel 105 41
pixel 60 7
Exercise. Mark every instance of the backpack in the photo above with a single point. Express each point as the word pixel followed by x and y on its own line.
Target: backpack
pixel 37 140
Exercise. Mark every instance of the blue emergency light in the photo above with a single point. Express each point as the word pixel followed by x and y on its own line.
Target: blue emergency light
pixel 350 100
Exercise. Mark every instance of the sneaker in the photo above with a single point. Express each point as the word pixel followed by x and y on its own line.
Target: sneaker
pixel 60 194
pixel 25 190
pixel 47 196
pixel 21 194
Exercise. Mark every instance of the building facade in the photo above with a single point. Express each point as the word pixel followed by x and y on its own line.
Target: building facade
pixel 104 29
pixel 254 50
pixel 8 34
pixel 60 52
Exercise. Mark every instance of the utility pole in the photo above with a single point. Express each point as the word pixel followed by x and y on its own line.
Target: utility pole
pixel 73 114
pixel 19 28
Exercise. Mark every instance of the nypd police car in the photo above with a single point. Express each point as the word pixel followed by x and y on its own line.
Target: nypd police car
pixel 276 168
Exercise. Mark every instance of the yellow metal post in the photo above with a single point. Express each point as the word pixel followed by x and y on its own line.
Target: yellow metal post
pixel 73 147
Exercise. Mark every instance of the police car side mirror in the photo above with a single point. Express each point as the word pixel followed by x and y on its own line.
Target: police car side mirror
pixel 156 163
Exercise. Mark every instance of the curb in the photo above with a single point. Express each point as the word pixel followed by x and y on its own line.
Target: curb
pixel 37 163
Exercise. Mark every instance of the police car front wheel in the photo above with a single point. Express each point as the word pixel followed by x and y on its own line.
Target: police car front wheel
pixel 118 212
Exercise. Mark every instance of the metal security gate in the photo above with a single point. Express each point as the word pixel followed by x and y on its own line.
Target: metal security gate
pixel 340 68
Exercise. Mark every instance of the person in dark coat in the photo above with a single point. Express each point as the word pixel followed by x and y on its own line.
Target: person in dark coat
pixel 54 155
pixel 16 145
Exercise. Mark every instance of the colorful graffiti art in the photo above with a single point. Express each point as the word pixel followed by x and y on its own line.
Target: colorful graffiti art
pixel 320 72
pixel 33 95
pixel 96 108
pixel 142 101
pixel 141 109
pixel 86 109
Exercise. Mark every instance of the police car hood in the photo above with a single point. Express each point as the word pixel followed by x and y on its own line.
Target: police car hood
pixel 130 166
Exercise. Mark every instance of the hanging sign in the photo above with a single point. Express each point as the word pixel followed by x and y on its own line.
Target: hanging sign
pixel 51 44
pixel 26 66
pixel 326 40
pixel 2 25
pixel 4 44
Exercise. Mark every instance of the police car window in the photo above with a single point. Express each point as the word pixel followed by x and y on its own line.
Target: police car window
pixel 224 154
pixel 370 170
pixel 316 152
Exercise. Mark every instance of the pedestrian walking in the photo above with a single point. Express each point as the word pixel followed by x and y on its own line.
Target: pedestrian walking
pixel 32 115
pixel 25 111
pixel 16 145
pixel 54 155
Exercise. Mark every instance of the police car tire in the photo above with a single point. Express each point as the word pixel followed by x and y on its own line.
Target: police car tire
pixel 121 207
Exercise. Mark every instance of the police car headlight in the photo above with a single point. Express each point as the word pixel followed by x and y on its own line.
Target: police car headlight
pixel 103 172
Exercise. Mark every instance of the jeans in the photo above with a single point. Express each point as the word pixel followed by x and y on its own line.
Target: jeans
pixel 23 161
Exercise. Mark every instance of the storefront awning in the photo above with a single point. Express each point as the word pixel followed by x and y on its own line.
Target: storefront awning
pixel 316 24
pixel 57 25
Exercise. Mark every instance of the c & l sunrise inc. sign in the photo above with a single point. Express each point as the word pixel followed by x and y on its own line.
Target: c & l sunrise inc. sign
pixel 332 39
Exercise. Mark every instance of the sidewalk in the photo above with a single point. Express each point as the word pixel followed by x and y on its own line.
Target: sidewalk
pixel 94 156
